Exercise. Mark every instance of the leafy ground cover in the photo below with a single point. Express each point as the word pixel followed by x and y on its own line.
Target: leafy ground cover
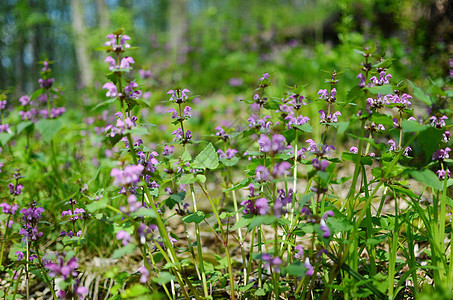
pixel 305 192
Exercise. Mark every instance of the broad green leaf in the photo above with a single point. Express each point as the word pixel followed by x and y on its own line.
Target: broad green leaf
pixel 337 225
pixel 207 159
pixel 187 179
pixel 244 221
pixel 385 120
pixel 380 89
pixel 144 212
pixel 104 103
pixel 139 130
pixel 186 156
pixel 48 128
pixel 413 126
pixel 420 94
pixel 136 292
pixel 97 205
pixel 305 127
pixel 229 162
pixel 118 253
pixel 5 137
pixel 365 160
pixel 295 269
pixel 175 198
pixel 22 125
pixel 428 178
pixel 164 278
pixel 196 217
pixel 259 220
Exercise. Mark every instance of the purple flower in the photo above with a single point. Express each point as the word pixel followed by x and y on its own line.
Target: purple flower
pixel 309 267
pixel 320 165
pixel 281 169
pixel 20 255
pixel 441 154
pixel 323 226
pixel 262 206
pixel 438 122
pixel 265 76
pixel 443 173
pixel 8 209
pixel 300 252
pixel 112 91
pixel 126 61
pixel 384 79
pixel 144 74
pixel 124 237
pixel 145 274
pixel 354 150
pixel 446 136
pixel 168 150
pixel 262 173
pixel 265 143
pixel 111 61
pixel 178 135
pixel 328 213
pixel 361 77
pixel 24 100
pixel 393 146
pixel 130 174
pixel 174 113
pixel 187 112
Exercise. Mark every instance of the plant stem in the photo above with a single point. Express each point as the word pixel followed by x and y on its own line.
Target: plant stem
pixel 200 254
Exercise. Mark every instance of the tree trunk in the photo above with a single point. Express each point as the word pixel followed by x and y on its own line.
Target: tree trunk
pixel 104 20
pixel 83 60
pixel 177 29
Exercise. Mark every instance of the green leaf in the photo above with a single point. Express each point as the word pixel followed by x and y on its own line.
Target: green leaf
pixel 186 156
pixel 365 160
pixel 97 205
pixel 36 94
pixel 295 269
pixel 144 212
pixel 200 178
pixel 385 120
pixel 354 93
pixel 118 253
pixel 244 221
pixel 196 217
pixel 5 137
pixel 139 130
pixel 240 185
pixel 175 198
pixel 229 162
pixel 428 178
pixel 420 94
pixel 207 159
pixel 48 128
pixel 187 179
pixel 413 126
pixel 164 278
pixel 305 127
pixel 338 224
pixel 259 220
pixel 104 103
pixel 380 89
pixel 22 125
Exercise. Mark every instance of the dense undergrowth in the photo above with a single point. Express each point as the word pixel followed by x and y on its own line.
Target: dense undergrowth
pixel 284 192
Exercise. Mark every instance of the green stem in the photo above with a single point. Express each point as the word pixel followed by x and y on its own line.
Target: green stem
pixel 225 241
pixel 199 251
pixel 44 272
pixel 4 240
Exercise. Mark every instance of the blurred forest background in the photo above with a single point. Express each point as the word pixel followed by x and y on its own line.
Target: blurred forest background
pixel 218 46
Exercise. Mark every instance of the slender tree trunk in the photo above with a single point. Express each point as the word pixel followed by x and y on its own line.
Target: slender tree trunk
pixel 104 20
pixel 81 49
pixel 177 29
